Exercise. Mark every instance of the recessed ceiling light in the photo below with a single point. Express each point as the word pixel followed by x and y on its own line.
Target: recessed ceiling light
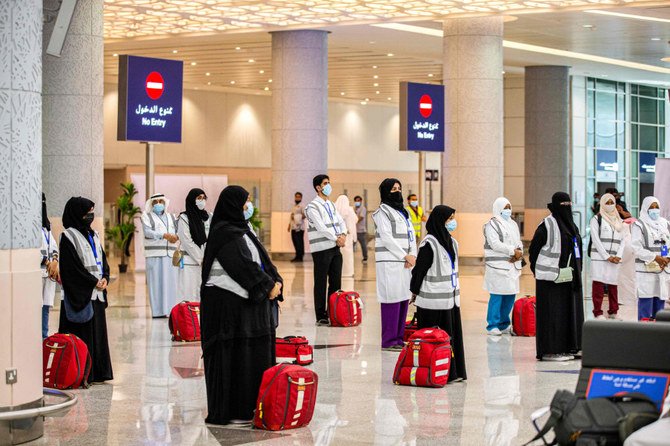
pixel 375 84
pixel 251 61
pixel 364 103
pixel 174 51
pixel 372 42
pixel 194 64
pixel 388 99
pixel 390 54
pixel 367 99
pixel 374 67
pixel 208 74
pixel 655 39
pixel 115 55
pixel 604 75
pixel 430 74
pixel 261 71
pixel 375 77
pixel 665 59
pixel 342 93
pixel 209 83
pixel 377 92
pixel 503 72
pixel 232 82
pixel 270 80
pixel 588 26
pixel 237 48
pixel 266 88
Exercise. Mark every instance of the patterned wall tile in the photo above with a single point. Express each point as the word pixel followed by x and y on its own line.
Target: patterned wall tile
pixel 5 45
pixel 5 169
pixel 27 45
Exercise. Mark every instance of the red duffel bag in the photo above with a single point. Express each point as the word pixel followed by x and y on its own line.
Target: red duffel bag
pixel 410 328
pixel 294 349
pixel 523 317
pixel 66 362
pixel 426 360
pixel 185 322
pixel 344 309
pixel 286 398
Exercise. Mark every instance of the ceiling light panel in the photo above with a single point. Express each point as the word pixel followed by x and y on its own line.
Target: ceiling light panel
pixel 137 18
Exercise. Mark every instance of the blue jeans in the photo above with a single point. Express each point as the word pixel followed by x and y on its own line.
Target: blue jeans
pixel 500 307
pixel 45 321
pixel 647 307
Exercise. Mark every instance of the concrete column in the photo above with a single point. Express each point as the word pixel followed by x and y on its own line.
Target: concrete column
pixel 72 120
pixel 299 122
pixel 20 210
pixel 547 140
pixel 472 164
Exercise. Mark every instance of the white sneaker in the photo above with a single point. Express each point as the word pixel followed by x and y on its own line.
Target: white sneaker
pixel 615 317
pixel 568 357
pixel 556 358
pixel 507 331
pixel 494 332
pixel 600 318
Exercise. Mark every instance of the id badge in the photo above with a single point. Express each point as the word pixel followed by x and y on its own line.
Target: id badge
pixel 454 280
pixel 577 253
pixel 664 250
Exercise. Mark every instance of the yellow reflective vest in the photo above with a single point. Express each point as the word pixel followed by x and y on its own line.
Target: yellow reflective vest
pixel 416 220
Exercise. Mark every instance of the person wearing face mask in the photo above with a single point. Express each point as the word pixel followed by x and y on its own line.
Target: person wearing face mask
pixel 415 214
pixel 297 228
pixel 435 285
pixel 49 266
pixel 606 251
pixel 160 243
pixel 556 261
pixel 192 229
pixel 84 273
pixel 327 233
pixel 240 284
pixel 650 240
pixel 395 255
pixel 361 226
pixel 503 252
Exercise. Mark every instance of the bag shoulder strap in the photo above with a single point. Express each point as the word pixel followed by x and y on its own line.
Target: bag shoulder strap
pixel 562 400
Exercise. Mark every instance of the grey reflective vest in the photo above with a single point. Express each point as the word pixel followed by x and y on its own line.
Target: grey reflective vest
pixel 651 243
pixel 86 256
pixel 609 237
pixel 160 247
pixel 218 276
pixel 402 232
pixel 329 217
pixel 547 264
pixel 494 259
pixel 440 289
pixel 183 220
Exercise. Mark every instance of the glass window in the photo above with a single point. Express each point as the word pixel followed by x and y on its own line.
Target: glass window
pixel 645 90
pixel 661 139
pixel 634 141
pixel 648 137
pixel 605 85
pixel 590 133
pixel 621 135
pixel 620 107
pixel 648 111
pixel 634 115
pixel 606 134
pixel 606 105
pixel 590 105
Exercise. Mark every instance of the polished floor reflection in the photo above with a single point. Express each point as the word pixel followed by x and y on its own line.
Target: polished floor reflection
pixel 158 394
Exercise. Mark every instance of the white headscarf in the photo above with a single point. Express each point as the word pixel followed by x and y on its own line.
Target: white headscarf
pixel 612 217
pixel 659 225
pixel 498 205
pixel 343 207
pixel 148 207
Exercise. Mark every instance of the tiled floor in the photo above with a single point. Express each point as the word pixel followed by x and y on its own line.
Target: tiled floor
pixel 158 394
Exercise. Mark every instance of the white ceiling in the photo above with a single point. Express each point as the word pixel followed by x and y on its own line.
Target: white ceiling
pixel 355 49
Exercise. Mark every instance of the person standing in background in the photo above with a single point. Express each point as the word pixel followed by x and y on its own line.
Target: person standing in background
pixel 192 230
pixel 415 214
pixel 347 213
pixel 160 243
pixel 361 226
pixel 327 233
pixel 49 266
pixel 297 227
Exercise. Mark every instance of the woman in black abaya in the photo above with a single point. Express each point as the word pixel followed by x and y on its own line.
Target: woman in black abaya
pixel 80 286
pixel 238 333
pixel 559 307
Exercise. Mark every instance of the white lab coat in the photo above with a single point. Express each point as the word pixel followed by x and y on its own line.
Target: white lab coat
pixel 393 278
pixel 498 281
pixel 49 246
pixel 190 273
pixel 627 280
pixel 604 271
pixel 650 284
pixel 349 216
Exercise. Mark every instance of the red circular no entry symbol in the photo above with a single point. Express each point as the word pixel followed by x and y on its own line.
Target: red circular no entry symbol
pixel 425 106
pixel 154 85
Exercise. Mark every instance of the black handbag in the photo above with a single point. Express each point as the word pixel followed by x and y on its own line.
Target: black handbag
pixel 598 421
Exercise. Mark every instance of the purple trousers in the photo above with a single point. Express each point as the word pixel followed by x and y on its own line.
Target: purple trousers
pixel 393 323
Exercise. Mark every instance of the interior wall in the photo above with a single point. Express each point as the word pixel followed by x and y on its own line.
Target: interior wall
pixel 514 116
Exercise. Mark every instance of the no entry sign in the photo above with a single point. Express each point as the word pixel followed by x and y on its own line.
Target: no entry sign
pixel 421 117
pixel 425 106
pixel 154 85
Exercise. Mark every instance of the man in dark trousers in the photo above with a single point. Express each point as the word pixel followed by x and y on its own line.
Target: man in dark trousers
pixel 326 233
pixel 297 228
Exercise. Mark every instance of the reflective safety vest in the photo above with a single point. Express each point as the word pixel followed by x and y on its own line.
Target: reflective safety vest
pixel 609 237
pixel 160 247
pixel 401 231
pixel 494 259
pixel 85 252
pixel 416 219
pixel 218 276
pixel 547 264
pixel 183 220
pixel 440 289
pixel 327 213
pixel 650 242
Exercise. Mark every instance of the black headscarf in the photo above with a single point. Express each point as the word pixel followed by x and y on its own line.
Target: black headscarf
pixel 73 214
pixel 392 199
pixel 435 226
pixel 563 213
pixel 45 217
pixel 196 217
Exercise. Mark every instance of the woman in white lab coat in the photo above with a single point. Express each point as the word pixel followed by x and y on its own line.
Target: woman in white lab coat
pixel 49 266
pixel 395 255
pixel 503 251
pixel 650 238
pixel 349 216
pixel 192 229
pixel 606 251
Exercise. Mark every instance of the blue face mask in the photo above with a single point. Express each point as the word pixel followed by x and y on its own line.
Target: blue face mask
pixel 506 214
pixel 327 190
pixel 414 203
pixel 159 208
pixel 654 214
pixel 451 225
pixel 249 212
pixel 357 204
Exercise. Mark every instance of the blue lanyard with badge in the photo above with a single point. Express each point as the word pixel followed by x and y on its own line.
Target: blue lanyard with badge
pixel 47 238
pixel 410 229
pixel 332 219
pixel 454 274
pixel 664 249
pixel 577 253
pixel 98 261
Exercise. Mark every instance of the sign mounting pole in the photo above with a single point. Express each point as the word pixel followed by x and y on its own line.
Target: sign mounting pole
pixel 422 180
pixel 149 169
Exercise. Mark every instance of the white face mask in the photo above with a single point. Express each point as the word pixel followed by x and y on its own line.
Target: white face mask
pixel 609 207
pixel 654 214
pixel 506 214
pixel 201 204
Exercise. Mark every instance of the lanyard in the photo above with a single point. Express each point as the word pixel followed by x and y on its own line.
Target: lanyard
pixel 47 237
pixel 332 218
pixel 664 250
pixel 410 227
pixel 454 276
pixel 95 252
pixel 577 253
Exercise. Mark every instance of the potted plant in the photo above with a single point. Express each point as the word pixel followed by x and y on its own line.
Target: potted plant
pixel 255 220
pixel 122 233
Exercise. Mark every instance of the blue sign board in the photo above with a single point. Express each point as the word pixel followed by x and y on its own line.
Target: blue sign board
pixel 150 99
pixel 647 162
pixel 606 160
pixel 605 383
pixel 421 117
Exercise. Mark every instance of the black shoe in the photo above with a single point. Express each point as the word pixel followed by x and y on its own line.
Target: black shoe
pixel 323 323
